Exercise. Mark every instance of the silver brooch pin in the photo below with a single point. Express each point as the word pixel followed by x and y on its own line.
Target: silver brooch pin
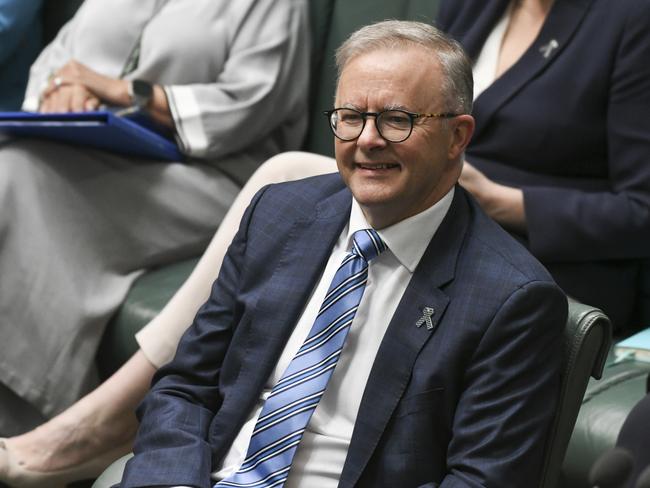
pixel 547 49
pixel 427 313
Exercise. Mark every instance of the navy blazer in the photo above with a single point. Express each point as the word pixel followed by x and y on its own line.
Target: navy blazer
pixel 465 404
pixel 572 129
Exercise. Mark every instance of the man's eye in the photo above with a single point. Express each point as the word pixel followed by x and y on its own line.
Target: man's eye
pixel 350 118
pixel 396 120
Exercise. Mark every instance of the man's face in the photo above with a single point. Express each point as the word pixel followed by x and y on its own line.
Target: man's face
pixel 394 181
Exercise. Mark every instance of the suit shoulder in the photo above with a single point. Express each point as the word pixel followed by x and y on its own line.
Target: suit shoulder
pixel 624 7
pixel 621 15
pixel 492 270
pixel 500 253
pixel 320 186
pixel 297 199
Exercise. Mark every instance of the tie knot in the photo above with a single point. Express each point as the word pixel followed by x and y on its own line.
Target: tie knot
pixel 368 244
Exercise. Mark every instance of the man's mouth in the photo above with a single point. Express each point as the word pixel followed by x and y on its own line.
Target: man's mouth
pixel 376 166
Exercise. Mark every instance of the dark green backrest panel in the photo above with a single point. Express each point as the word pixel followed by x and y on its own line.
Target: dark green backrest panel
pixel 147 297
pixel 346 17
pixel 320 18
pixel 55 14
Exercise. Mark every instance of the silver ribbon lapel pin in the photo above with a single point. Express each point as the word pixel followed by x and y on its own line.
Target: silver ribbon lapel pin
pixel 427 313
pixel 547 49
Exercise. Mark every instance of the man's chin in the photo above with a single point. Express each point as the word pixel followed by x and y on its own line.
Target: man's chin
pixel 373 195
pixel 378 204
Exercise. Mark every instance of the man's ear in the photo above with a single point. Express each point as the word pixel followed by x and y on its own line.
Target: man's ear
pixel 461 129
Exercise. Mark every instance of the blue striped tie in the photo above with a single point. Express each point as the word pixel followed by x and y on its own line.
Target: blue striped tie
pixel 294 398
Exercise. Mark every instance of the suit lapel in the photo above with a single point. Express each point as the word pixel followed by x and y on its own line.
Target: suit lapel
pixel 404 340
pixel 561 24
pixel 303 258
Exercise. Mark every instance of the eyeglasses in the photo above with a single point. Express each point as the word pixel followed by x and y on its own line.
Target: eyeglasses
pixel 393 125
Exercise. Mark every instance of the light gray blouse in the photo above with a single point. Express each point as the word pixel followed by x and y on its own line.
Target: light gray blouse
pixel 235 72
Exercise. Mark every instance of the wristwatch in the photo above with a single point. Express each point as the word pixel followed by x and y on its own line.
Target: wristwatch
pixel 141 92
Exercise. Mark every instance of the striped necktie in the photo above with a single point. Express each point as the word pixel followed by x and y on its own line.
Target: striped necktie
pixel 289 406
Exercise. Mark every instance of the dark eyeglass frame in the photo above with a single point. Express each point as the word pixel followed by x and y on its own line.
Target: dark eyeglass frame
pixel 364 116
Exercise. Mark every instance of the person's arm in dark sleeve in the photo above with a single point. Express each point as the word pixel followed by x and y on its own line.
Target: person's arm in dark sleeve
pixel 504 414
pixel 171 447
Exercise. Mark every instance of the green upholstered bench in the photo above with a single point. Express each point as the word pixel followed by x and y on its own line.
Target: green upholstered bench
pixel 147 297
pixel 56 13
pixel 606 402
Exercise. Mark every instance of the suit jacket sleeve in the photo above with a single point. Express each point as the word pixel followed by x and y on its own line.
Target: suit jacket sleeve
pixel 504 413
pixel 262 85
pixel 171 447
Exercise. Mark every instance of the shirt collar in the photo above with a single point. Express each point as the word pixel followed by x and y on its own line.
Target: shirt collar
pixel 409 238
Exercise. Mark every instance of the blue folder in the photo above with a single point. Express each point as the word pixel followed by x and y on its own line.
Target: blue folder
pixel 102 129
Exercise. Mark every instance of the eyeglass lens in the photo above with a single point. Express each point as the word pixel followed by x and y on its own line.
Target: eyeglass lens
pixel 392 125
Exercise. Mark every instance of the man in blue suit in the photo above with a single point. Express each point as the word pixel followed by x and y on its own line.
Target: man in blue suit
pixel 447 371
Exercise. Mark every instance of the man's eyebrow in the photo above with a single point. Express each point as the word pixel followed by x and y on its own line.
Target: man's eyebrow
pixel 392 106
pixel 352 106
pixel 395 106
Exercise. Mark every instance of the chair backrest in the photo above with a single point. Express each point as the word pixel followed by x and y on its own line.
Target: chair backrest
pixel 587 339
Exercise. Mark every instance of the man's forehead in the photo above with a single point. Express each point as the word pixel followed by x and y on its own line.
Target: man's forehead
pixel 413 65
pixel 396 53
pixel 392 78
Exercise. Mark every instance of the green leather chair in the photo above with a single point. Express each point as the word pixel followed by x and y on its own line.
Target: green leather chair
pixel 587 339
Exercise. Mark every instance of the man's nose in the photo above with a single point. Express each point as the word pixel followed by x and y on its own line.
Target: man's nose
pixel 370 137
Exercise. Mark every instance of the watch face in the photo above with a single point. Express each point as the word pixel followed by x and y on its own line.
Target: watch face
pixel 142 92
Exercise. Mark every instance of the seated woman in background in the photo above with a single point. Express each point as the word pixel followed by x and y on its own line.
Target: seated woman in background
pixel 78 225
pixel 21 33
pixel 560 152
pixel 558 158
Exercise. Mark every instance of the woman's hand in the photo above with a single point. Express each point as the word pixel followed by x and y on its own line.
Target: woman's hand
pixel 69 98
pixel 505 204
pixel 76 87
